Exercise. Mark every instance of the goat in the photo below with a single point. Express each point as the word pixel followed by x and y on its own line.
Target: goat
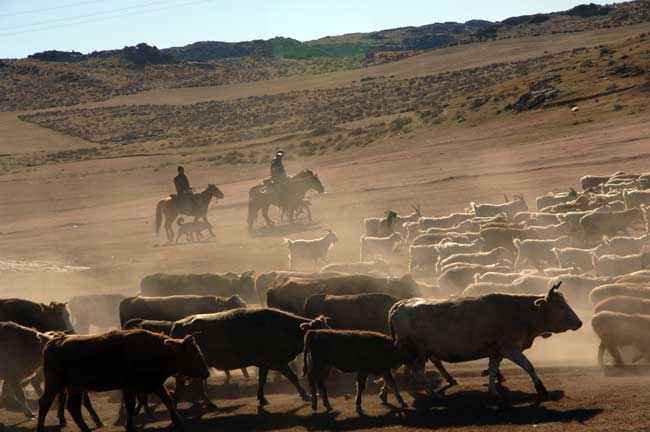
pixel 551 199
pixel 626 245
pixel 484 258
pixel 538 252
pixel 423 257
pixel 509 208
pixel 415 216
pixel 382 247
pixel 595 225
pixel 498 278
pixel 428 239
pixel 316 250
pixel 614 265
pixel 449 248
pixel 444 221
pixel 582 258
pixel 381 227
pixel 456 278
pixel 548 232
pixel 604 291
pixel 617 330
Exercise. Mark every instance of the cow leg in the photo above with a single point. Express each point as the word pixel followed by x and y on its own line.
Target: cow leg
pixel 441 368
pixel 128 399
pixel 16 387
pixel 63 398
pixel 179 389
pixel 517 357
pixel 493 370
pixel 362 378
pixel 323 393
pixel 313 382
pixel 204 394
pixel 245 373
pixel 601 354
pixel 389 382
pixel 44 404
pixel 616 354
pixel 163 395
pixel 421 377
pixel 91 410
pixel 263 372
pixel 227 372
pixel 74 408
pixel 291 376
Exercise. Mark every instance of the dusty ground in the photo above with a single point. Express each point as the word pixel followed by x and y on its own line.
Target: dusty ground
pixel 98 214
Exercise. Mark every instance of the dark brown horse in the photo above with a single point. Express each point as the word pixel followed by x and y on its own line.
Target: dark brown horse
pixel 261 197
pixel 168 208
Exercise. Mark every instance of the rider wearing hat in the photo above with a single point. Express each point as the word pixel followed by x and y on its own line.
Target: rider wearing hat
pixel 183 189
pixel 278 173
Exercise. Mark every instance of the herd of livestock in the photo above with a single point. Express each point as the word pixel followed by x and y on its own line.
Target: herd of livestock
pixel 503 275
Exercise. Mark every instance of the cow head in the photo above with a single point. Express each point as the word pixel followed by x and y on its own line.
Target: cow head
pixel 320 322
pixel 247 284
pixel 556 314
pixel 404 287
pixel 58 317
pixel 235 302
pixel 189 358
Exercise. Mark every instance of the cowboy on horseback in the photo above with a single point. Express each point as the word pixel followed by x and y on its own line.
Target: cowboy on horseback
pixel 184 192
pixel 278 173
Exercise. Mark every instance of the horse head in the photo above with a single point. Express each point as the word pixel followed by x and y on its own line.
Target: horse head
pixel 314 181
pixel 214 191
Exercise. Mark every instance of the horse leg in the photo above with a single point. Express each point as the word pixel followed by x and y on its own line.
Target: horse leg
pixel 265 213
pixel 170 217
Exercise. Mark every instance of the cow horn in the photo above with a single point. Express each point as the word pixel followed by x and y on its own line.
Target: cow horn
pixel 554 288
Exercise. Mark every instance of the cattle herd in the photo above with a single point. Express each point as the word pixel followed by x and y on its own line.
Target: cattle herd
pixel 502 276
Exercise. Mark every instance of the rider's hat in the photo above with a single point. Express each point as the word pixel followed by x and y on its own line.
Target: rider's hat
pixel 180 167
pixel 279 152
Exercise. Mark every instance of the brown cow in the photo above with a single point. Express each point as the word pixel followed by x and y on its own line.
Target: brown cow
pixel 52 317
pixel 134 361
pixel 363 352
pixel 495 326
pixel 264 281
pixel 291 294
pixel 352 312
pixel 214 284
pixel 173 308
pixel 266 338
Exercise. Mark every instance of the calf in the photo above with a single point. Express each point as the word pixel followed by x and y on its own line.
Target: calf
pixel 363 352
pixel 352 312
pixel 134 361
pixel 265 338
pixel 617 330
pixel 379 247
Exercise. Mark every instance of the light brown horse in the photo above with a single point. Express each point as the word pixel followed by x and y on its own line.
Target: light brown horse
pixel 167 208
pixel 261 197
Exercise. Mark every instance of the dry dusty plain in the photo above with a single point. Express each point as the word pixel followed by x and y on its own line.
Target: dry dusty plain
pixel 70 227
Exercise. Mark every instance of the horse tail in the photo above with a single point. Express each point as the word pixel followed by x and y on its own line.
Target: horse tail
pixel 159 215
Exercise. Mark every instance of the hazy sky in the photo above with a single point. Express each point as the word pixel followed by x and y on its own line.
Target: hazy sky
pixel 28 26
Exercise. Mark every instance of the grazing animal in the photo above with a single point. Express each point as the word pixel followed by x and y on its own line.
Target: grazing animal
pixel 495 237
pixel 214 284
pixel 42 317
pixel 311 250
pixel 192 230
pixel 444 221
pixel 264 281
pixel 596 225
pixel 625 245
pixel 604 291
pixel 448 249
pixel 495 326
pixel 499 278
pixel 538 253
pixel 614 265
pixel 624 304
pixel 379 247
pixel 364 267
pixel 428 239
pixel 361 352
pixel 423 258
pixel 100 310
pixel 485 258
pixel 617 330
pixel 582 258
pixel 135 361
pixel 265 338
pixel 381 227
pixel 290 295
pixel 510 208
pixel 173 308
pixel 455 279
pixel 552 199
pixel 352 312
